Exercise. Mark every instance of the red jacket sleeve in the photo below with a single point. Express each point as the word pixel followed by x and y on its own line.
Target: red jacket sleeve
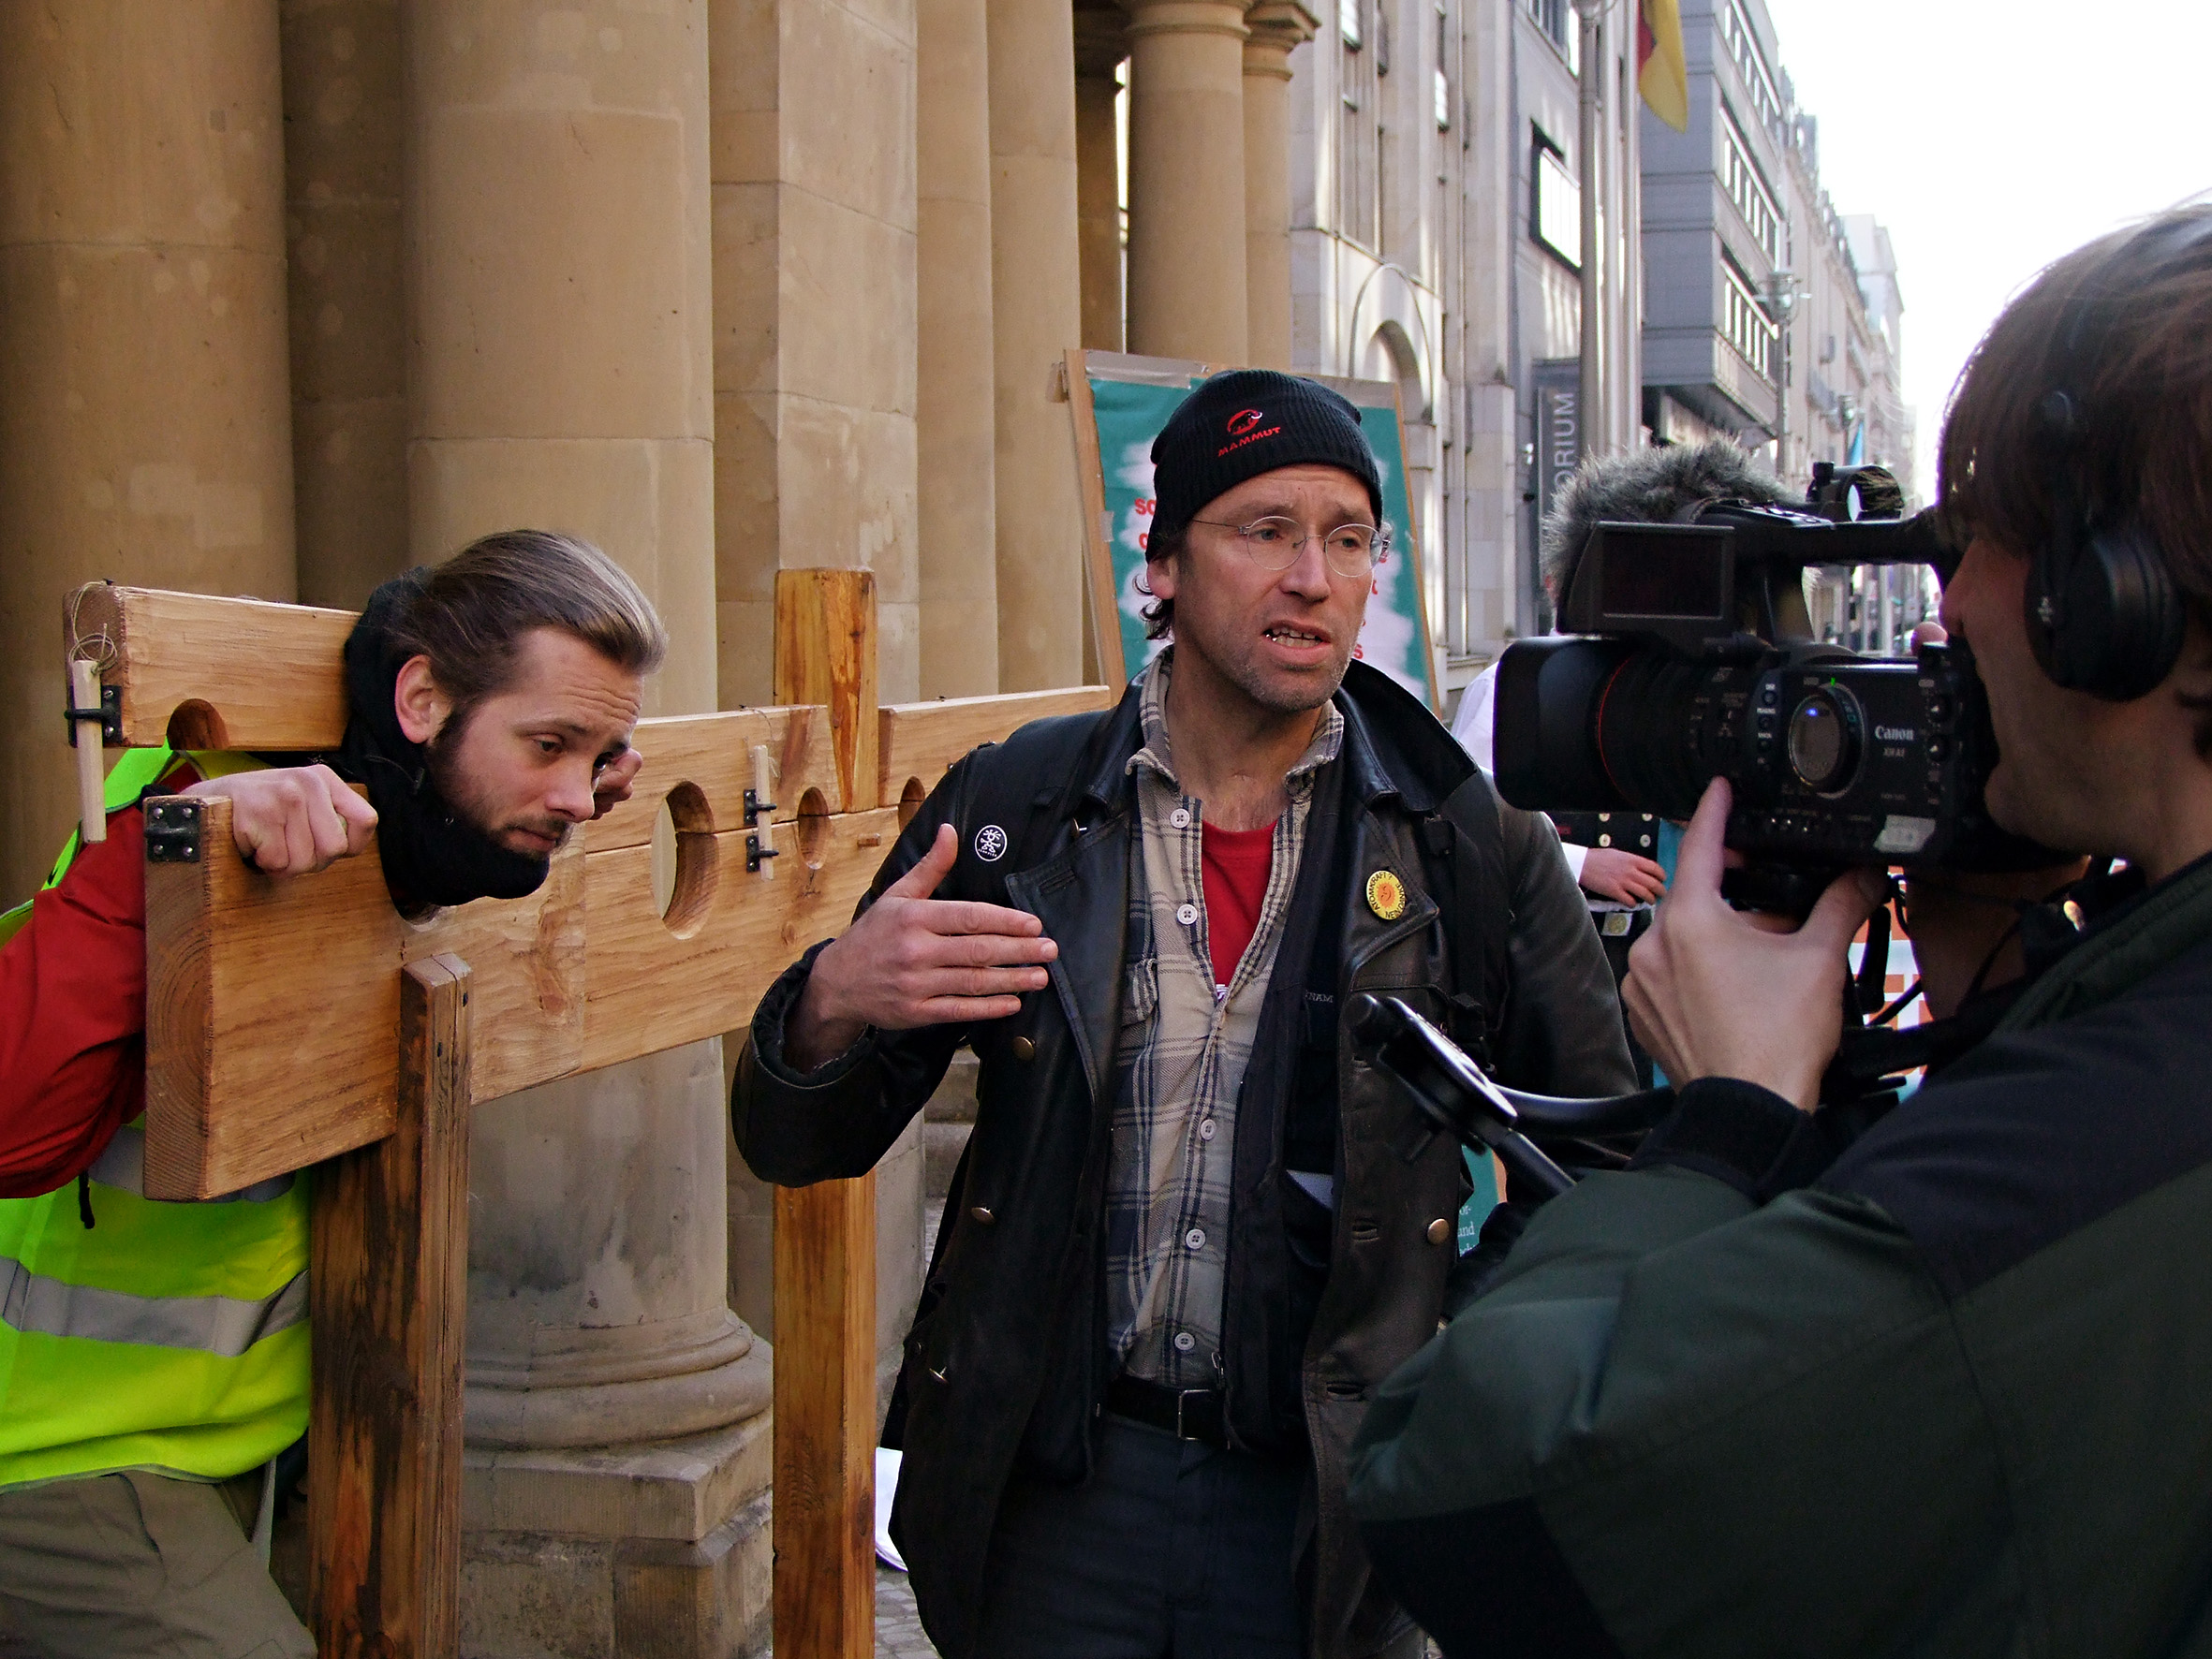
pixel 73 1016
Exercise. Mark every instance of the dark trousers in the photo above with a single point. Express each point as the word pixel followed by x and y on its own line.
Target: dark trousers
pixel 1171 1550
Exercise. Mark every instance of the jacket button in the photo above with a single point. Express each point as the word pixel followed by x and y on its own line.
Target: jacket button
pixel 981 1214
pixel 1023 1049
pixel 1439 1230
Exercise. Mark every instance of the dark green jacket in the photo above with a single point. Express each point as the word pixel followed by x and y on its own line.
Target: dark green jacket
pixel 1951 1394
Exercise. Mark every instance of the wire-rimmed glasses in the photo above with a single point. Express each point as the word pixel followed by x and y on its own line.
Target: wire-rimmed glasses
pixel 1274 543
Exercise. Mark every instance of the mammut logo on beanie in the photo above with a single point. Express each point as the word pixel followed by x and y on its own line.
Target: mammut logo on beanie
pixel 1243 421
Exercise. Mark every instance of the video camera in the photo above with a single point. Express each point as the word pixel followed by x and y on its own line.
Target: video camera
pixel 1687 653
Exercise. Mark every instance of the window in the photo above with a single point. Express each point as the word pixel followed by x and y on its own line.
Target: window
pixel 1381 36
pixel 1556 215
pixel 1555 18
pixel 1440 91
pixel 1743 48
pixel 1745 323
pixel 1749 191
pixel 1348 22
pixel 1358 149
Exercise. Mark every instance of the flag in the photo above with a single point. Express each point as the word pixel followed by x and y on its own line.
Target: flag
pixel 1661 75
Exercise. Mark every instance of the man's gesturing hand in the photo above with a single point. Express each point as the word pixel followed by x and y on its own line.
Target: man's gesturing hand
pixel 914 961
pixel 1715 993
pixel 611 783
pixel 292 820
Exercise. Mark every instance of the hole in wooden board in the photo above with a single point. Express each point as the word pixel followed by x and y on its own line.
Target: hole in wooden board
pixel 683 867
pixel 195 724
pixel 910 799
pixel 813 828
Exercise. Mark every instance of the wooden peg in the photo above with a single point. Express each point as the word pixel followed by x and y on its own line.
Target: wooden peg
pixel 92 775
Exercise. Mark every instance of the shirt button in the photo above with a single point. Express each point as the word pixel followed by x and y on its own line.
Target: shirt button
pixel 1180 817
pixel 1186 914
pixel 1194 1240
pixel 1439 1230
pixel 1206 1128
pixel 1185 1342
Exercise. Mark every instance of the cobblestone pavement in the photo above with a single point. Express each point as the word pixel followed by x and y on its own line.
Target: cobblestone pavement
pixel 898 1628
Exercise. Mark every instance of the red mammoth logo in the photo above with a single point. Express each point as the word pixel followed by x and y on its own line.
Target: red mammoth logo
pixel 1243 421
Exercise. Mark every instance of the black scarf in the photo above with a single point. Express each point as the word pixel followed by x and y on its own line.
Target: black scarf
pixel 432 855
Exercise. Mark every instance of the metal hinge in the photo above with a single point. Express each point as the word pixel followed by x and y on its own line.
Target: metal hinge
pixel 110 715
pixel 173 831
pixel 757 811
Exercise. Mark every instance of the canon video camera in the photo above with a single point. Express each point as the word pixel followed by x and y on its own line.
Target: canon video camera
pixel 1686 653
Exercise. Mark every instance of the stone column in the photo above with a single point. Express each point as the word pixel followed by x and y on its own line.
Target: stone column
pixel 814 361
pixel 1186 179
pixel 1098 52
pixel 955 439
pixel 1277 26
pixel 343 159
pixel 1035 316
pixel 145 427
pixel 560 374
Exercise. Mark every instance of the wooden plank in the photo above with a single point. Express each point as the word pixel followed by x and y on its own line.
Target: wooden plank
pixel 390 1295
pixel 707 762
pixel 825 653
pixel 919 741
pixel 824 1501
pixel 656 982
pixel 270 1011
pixel 273 1005
pixel 246 673
pixel 825 1420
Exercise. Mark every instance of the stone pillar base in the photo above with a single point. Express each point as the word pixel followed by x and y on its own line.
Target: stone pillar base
pixel 654 1551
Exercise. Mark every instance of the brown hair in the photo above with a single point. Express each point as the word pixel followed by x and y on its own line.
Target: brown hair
pixel 2139 369
pixel 469 614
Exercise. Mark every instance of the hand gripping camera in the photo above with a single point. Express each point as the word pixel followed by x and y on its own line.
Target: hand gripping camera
pixel 1686 653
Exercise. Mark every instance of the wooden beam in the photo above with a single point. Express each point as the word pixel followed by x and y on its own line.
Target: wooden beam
pixel 825 1235
pixel 273 1005
pixel 825 653
pixel 825 1420
pixel 388 1296
pixel 919 741
pixel 244 673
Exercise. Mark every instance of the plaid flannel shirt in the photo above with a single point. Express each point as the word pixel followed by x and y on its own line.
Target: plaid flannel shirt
pixel 1181 1062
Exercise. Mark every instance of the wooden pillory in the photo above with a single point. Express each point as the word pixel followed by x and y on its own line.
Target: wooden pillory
pixel 304 1022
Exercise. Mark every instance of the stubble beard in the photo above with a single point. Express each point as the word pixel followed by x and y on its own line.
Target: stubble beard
pixel 441 757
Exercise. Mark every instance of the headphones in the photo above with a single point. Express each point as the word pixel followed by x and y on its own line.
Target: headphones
pixel 2104 614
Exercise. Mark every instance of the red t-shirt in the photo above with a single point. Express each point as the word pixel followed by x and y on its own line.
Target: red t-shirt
pixel 1234 865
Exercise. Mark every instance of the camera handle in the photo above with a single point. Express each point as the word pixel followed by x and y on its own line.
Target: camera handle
pixel 1453 1097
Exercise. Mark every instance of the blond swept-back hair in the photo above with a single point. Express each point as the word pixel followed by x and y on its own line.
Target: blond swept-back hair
pixel 469 614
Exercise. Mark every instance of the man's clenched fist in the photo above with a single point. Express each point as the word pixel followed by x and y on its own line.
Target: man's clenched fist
pixel 293 820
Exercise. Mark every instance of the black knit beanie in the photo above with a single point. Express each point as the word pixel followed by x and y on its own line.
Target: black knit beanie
pixel 1245 422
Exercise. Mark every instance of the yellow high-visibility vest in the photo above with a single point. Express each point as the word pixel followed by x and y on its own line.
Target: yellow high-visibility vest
pixel 166 1336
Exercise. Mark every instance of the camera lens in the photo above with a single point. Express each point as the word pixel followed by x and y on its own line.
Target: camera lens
pixel 1824 741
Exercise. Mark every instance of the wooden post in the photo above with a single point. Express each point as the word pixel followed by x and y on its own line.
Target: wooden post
pixel 389 1294
pixel 825 1235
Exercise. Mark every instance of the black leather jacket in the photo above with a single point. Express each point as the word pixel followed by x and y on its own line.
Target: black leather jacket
pixel 1005 1359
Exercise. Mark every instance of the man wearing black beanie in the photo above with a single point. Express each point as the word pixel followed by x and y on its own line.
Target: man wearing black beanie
pixel 1183 1245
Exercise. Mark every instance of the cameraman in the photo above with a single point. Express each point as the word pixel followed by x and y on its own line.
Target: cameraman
pixel 1939 1393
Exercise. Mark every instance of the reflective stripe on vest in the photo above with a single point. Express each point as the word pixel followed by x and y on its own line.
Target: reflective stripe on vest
pixel 123 1166
pixel 219 1325
pixel 167 1335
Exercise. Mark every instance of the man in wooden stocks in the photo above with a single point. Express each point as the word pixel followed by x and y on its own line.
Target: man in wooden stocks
pixel 154 1356
pixel 1183 1244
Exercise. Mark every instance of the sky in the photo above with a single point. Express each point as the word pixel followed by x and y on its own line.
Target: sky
pixel 1991 137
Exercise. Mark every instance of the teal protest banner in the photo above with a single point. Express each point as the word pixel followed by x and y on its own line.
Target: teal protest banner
pixel 1120 404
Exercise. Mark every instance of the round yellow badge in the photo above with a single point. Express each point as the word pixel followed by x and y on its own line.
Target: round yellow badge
pixel 1386 895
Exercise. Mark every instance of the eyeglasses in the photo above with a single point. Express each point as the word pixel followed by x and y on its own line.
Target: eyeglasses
pixel 1274 543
